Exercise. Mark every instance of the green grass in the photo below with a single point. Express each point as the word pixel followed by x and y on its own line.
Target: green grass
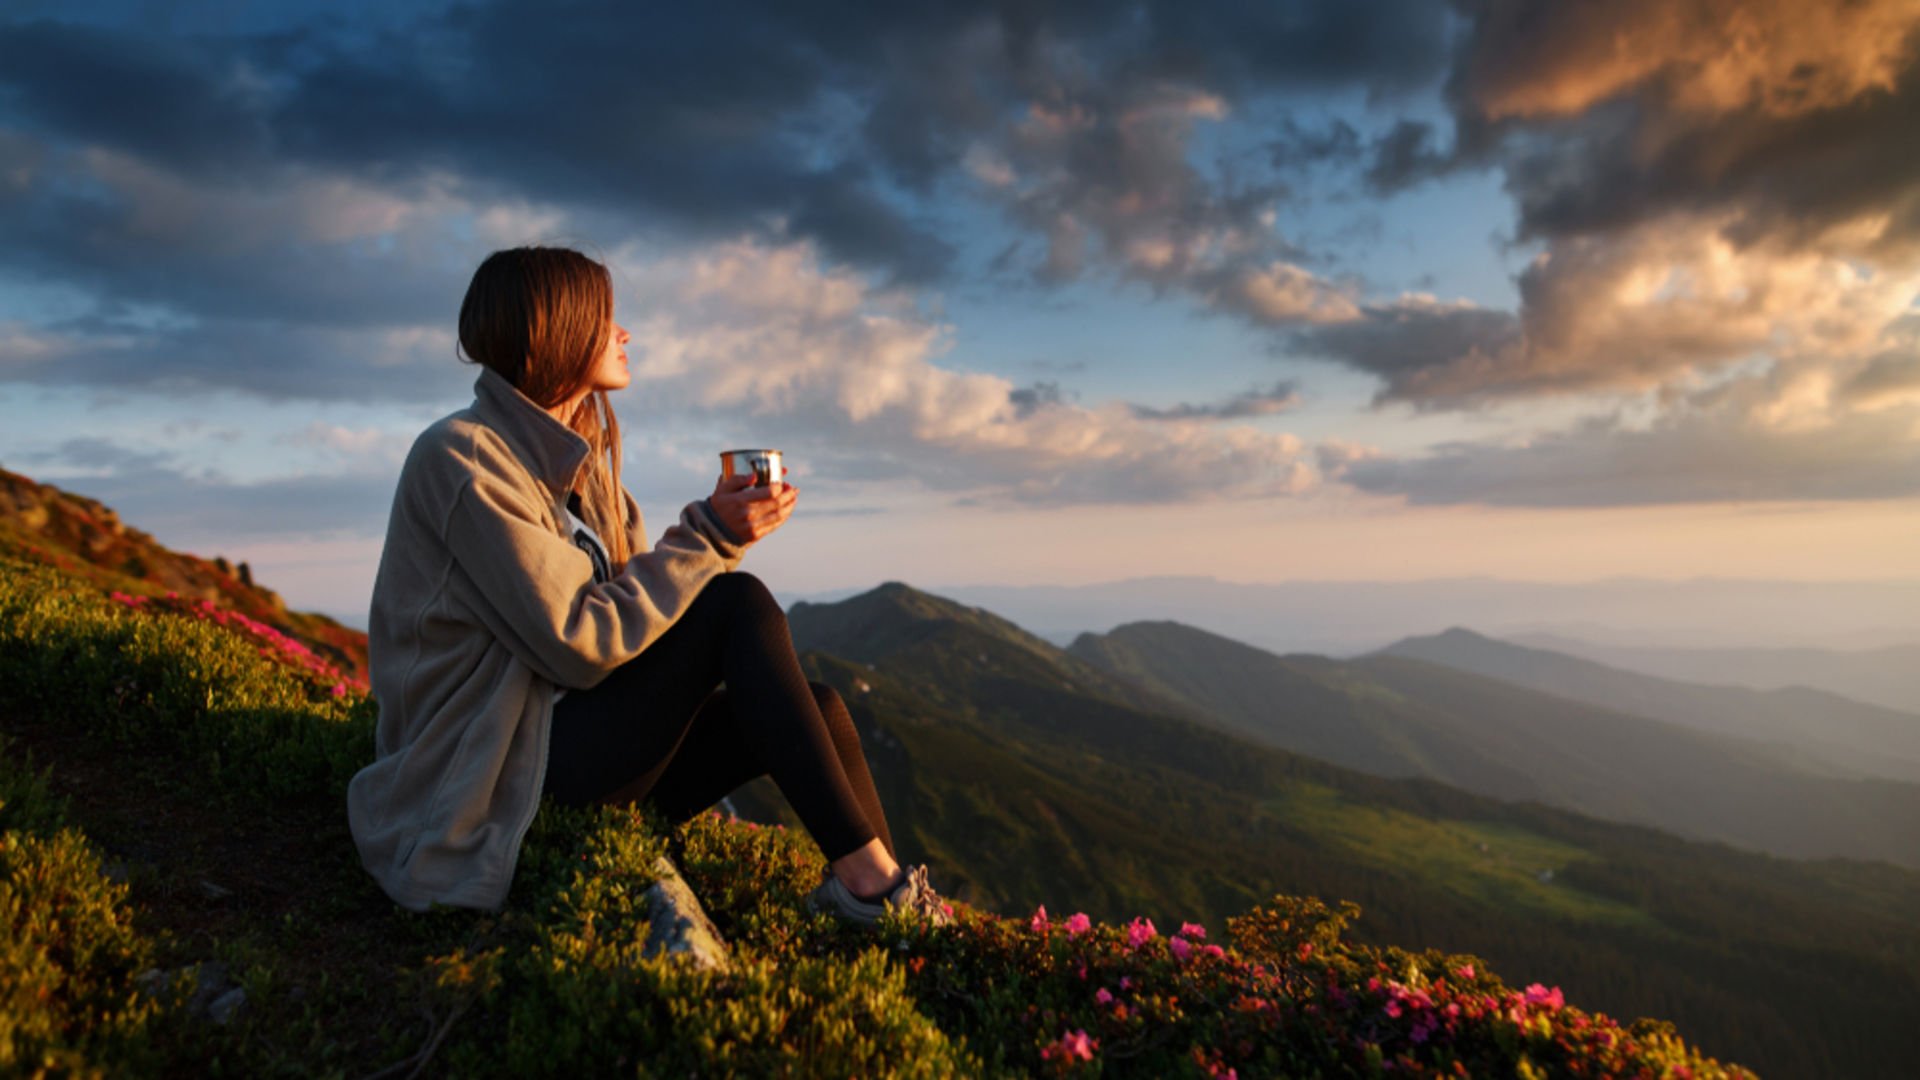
pixel 200 758
pixel 1494 865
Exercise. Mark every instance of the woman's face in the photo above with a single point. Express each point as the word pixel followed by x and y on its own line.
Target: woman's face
pixel 610 371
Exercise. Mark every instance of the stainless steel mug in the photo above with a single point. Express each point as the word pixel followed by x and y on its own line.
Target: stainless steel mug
pixel 763 465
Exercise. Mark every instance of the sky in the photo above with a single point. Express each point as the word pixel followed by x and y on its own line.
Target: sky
pixel 1028 293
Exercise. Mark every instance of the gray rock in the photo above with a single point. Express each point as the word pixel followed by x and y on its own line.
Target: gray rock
pixel 678 925
pixel 224 1006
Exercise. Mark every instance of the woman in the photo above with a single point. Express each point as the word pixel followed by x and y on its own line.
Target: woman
pixel 523 642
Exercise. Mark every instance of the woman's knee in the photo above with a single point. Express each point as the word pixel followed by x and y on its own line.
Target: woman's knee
pixel 743 592
pixel 827 698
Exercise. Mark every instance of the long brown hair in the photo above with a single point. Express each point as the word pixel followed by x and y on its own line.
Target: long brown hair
pixel 540 318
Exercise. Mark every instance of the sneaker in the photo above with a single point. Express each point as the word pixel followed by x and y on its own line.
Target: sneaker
pixel 913 894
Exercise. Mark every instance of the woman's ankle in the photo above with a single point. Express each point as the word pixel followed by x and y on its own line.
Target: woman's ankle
pixel 868 870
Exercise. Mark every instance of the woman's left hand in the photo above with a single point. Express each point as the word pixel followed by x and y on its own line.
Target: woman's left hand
pixel 753 513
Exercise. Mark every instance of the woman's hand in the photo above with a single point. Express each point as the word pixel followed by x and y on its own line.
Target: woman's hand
pixel 752 513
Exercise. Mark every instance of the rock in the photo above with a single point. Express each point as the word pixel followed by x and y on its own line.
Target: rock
pixel 224 1006
pixel 210 983
pixel 678 925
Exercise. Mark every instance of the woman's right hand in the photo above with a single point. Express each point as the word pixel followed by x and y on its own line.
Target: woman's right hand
pixel 752 513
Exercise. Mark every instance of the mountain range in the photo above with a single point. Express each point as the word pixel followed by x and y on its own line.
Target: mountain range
pixel 1395 714
pixel 1025 773
pixel 1146 772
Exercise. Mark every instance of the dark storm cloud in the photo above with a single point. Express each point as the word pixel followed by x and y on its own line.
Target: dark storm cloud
pixel 719 117
pixel 1259 401
pixel 1791 117
pixel 1402 341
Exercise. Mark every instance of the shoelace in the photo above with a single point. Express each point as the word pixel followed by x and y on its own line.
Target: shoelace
pixel 920 896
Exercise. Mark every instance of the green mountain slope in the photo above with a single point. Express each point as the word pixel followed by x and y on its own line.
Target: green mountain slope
pixel 1396 716
pixel 1823 727
pixel 180 897
pixel 1013 776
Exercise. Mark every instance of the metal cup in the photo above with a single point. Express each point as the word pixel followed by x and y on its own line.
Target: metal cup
pixel 763 465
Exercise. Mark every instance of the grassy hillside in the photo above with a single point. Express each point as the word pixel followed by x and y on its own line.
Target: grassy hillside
pixel 1399 716
pixel 43 524
pixel 181 896
pixel 1017 777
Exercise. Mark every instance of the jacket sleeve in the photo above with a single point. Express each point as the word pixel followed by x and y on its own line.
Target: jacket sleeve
pixel 545 604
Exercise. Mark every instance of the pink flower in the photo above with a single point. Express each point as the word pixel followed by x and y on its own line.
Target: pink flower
pixel 1078 924
pixel 1125 982
pixel 1540 995
pixel 1103 996
pixel 1039 921
pixel 1193 930
pixel 339 689
pixel 1070 1045
pixel 1180 947
pixel 1465 971
pixel 1214 951
pixel 1139 932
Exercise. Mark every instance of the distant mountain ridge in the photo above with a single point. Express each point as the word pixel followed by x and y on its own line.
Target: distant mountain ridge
pixel 82 537
pixel 1888 676
pixel 1397 716
pixel 1868 740
pixel 1019 775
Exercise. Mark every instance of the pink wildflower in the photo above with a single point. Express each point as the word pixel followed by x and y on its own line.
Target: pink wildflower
pixel 1180 947
pixel 339 689
pixel 1078 924
pixel 1125 982
pixel 1039 921
pixel 1465 971
pixel 1193 930
pixel 1070 1045
pixel 1139 932
pixel 1214 951
pixel 1540 995
pixel 1103 996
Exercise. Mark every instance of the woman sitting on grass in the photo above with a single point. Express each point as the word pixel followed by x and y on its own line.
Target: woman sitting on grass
pixel 524 642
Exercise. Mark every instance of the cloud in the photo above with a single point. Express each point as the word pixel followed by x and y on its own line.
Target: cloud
pixel 1532 58
pixel 844 374
pixel 1624 313
pixel 280 363
pixel 1790 119
pixel 208 509
pixel 1782 435
pixel 1890 378
pixel 1259 401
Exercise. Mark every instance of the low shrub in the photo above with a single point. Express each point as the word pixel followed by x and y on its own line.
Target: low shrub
pixel 559 983
pixel 68 952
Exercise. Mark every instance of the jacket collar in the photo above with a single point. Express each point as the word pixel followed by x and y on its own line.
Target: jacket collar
pixel 550 450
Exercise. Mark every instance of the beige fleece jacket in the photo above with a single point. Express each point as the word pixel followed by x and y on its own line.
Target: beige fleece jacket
pixel 481 607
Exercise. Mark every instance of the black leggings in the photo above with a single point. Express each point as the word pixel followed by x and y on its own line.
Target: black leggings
pixel 658 729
